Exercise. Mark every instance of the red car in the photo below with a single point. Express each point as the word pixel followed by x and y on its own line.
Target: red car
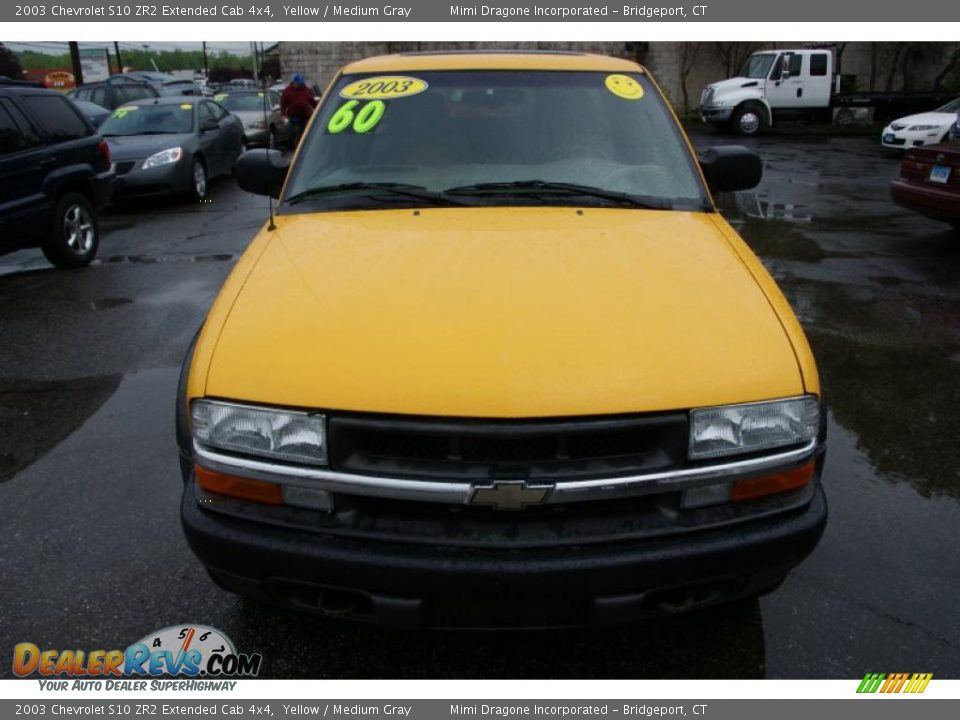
pixel 929 182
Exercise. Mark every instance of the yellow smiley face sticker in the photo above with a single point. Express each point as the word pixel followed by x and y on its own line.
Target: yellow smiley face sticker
pixel 624 86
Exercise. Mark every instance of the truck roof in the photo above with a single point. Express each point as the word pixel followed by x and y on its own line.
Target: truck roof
pixel 492 60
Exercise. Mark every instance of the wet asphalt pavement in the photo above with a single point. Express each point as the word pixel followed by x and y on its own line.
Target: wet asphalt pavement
pixel 91 551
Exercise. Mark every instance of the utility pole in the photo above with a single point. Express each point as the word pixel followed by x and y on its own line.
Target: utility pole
pixel 206 70
pixel 75 61
pixel 253 52
pixel 116 47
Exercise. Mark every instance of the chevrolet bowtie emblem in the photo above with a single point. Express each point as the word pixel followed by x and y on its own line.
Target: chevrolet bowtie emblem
pixel 510 494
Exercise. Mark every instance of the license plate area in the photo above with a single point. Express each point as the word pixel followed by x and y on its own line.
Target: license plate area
pixel 939 174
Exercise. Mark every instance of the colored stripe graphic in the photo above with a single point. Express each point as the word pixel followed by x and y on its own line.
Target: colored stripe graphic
pixel 894 683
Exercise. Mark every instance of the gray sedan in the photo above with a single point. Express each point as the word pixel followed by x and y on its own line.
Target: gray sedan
pixel 171 145
pixel 259 111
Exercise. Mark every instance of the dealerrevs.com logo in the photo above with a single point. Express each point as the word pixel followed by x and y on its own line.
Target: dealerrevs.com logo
pixel 910 683
pixel 185 651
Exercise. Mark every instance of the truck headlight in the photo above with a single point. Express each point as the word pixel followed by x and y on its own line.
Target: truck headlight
pixel 753 427
pixel 164 157
pixel 288 435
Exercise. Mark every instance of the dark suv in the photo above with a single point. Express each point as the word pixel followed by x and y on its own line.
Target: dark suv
pixel 55 175
pixel 111 94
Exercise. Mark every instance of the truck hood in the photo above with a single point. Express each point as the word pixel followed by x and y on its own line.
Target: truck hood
pixel 501 312
pixel 731 84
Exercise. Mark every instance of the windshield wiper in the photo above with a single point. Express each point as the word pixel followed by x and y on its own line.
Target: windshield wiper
pixel 414 191
pixel 543 187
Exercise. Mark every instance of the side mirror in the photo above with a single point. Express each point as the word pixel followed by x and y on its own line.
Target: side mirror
pixel 785 72
pixel 262 171
pixel 728 168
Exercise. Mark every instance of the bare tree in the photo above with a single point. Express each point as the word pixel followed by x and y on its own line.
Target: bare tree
pixel 689 53
pixel 952 63
pixel 732 55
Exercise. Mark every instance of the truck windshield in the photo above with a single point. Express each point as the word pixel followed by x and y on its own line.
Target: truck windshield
pixel 494 137
pixel 757 66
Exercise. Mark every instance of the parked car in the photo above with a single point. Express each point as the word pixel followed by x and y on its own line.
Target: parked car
pixel 181 87
pixel 955 129
pixel 150 77
pixel 927 128
pixel 929 182
pixel 55 176
pixel 499 361
pixel 91 111
pixel 109 94
pixel 171 145
pixel 259 111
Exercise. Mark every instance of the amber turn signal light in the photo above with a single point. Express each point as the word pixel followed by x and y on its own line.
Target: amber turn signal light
pixel 772 484
pixel 238 487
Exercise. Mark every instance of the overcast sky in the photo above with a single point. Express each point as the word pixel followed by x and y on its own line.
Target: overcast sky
pixel 56 48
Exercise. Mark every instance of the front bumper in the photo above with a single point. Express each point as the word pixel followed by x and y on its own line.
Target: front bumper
pixel 164 180
pixel 900 139
pixel 715 114
pixel 443 585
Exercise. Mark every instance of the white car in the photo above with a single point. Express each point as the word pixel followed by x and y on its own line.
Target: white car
pixel 927 128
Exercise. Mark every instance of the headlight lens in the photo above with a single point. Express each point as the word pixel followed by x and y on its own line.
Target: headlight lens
pixel 256 124
pixel 918 128
pixel 164 157
pixel 276 434
pixel 737 429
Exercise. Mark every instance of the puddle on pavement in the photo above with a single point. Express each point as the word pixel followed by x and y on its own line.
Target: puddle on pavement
pixel 902 403
pixel 888 369
pixel 778 240
pixel 37 416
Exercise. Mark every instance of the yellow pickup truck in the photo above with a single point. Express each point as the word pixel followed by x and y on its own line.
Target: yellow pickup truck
pixel 498 361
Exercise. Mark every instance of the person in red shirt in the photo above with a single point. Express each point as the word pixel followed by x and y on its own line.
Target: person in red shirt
pixel 297 104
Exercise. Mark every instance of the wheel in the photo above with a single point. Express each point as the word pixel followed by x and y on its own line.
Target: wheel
pixel 74 236
pixel 198 180
pixel 747 121
pixel 844 117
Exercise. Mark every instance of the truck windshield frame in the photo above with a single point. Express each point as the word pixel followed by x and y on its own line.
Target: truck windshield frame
pixel 758 66
pixel 523 132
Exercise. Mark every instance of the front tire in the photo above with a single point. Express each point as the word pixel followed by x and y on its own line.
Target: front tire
pixel 74 235
pixel 747 121
pixel 198 181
